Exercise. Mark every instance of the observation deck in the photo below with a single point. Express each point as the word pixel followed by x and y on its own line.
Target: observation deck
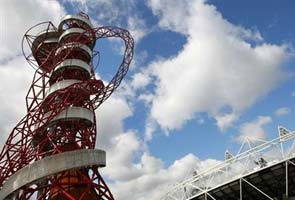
pixel 50 153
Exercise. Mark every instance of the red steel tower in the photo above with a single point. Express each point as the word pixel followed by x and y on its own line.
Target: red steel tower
pixel 50 153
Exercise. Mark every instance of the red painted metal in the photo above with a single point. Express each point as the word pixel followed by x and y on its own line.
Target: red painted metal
pixel 35 136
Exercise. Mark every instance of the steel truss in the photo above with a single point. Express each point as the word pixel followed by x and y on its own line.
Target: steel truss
pixel 260 170
pixel 60 108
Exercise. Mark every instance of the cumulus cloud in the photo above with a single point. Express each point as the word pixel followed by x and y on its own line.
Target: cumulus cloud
pixel 150 127
pixel 282 111
pixel 137 27
pixel 121 157
pixel 110 117
pixel 148 178
pixel 220 66
pixel 15 74
pixel 115 13
pixel 217 67
pixel 108 11
pixel 154 185
pixel 139 80
pixel 130 166
pixel 226 120
pixel 255 129
pixel 16 18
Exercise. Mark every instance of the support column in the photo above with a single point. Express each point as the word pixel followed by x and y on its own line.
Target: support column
pixel 258 189
pixel 287 178
pixel 241 189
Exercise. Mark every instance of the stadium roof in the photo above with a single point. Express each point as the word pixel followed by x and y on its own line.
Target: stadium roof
pixel 260 170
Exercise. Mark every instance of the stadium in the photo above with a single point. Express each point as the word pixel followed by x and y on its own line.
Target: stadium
pixel 260 170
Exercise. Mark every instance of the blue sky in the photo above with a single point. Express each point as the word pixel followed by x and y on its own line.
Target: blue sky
pixel 272 19
pixel 205 74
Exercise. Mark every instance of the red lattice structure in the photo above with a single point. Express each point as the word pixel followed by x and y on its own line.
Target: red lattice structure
pixel 50 153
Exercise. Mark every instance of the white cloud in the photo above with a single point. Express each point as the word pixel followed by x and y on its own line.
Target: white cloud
pixel 146 98
pixel 150 179
pixel 254 129
pixel 171 14
pixel 226 120
pixel 130 166
pixel 150 127
pixel 115 13
pixel 282 111
pixel 110 117
pixel 15 74
pixel 153 185
pixel 138 59
pixel 217 68
pixel 183 88
pixel 137 27
pixel 121 157
pixel 139 80
pixel 16 18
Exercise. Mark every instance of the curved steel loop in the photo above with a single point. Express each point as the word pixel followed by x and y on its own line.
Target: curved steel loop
pixel 26 123
pixel 111 31
pixel 15 147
